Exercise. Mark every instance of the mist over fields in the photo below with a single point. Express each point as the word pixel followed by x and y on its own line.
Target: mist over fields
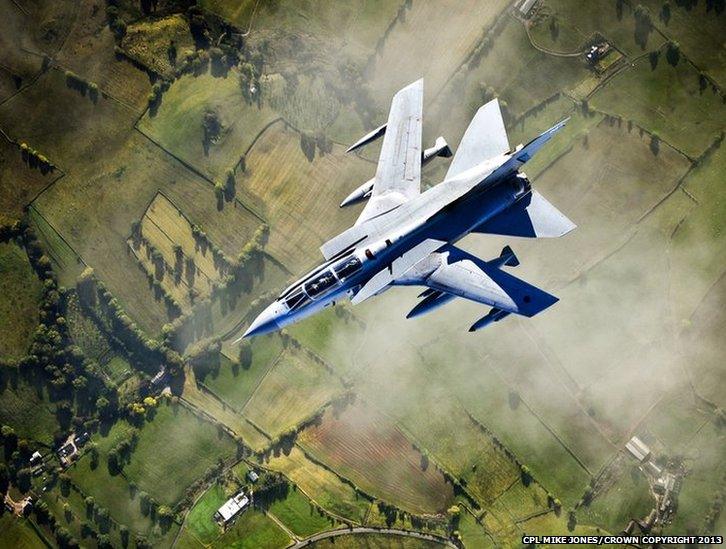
pixel 168 168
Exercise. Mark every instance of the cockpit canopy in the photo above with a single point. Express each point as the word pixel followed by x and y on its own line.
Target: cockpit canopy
pixel 322 282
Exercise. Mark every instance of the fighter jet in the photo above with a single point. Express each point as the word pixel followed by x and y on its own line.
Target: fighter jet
pixel 405 237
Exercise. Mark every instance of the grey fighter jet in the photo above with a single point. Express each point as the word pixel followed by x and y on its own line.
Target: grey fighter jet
pixel 406 237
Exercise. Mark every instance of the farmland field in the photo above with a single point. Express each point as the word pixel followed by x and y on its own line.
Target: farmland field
pixel 302 518
pixel 375 541
pixel 18 534
pixel 294 389
pixel 294 190
pixel 199 153
pixel 674 106
pixel 320 484
pixel 21 292
pixel 234 383
pixel 178 124
pixel 379 458
pixel 200 520
pixel 27 409
pixel 175 440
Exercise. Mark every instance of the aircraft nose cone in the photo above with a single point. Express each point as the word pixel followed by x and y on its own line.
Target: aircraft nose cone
pixel 265 322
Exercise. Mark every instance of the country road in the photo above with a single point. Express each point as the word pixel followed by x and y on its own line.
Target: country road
pixel 368 530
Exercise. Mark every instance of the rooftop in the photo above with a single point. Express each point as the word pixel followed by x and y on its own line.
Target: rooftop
pixel 232 506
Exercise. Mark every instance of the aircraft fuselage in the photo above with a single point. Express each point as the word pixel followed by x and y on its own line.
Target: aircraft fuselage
pixel 446 212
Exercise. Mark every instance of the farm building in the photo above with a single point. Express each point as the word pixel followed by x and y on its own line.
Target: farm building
pixel 231 508
pixel 526 6
pixel 252 476
pixel 638 449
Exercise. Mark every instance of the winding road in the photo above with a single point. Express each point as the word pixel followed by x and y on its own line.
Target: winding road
pixel 369 530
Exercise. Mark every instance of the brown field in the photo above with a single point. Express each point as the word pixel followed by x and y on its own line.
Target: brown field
pixel 293 389
pixel 371 451
pixel 300 198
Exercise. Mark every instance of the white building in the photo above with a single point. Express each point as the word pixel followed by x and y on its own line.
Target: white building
pixel 231 508
pixel 638 449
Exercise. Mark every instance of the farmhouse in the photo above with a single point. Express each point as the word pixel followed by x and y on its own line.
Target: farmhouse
pixel 638 449
pixel 231 508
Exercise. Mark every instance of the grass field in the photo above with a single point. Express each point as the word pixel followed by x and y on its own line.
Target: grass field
pixel 323 486
pixel 294 389
pixel 460 25
pixel 200 520
pixel 21 183
pixel 178 124
pixel 89 51
pixel 628 497
pixel 175 449
pixel 697 28
pixel 233 383
pixel 302 518
pixel 222 412
pixel 251 530
pixel 21 291
pixel 110 491
pixel 576 26
pixel 667 101
pixel 28 411
pixel 374 541
pixel 534 77
pixel 373 453
pixel 66 263
pixel 18 533
pixel 299 198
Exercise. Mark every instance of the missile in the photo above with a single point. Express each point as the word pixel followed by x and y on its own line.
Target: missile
pixel 495 315
pixel 440 148
pixel 367 138
pixel 432 301
pixel 507 258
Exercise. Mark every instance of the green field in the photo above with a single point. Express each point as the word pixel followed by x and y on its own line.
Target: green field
pixel 251 530
pixel 293 390
pixel 375 541
pixel 175 441
pixel 21 292
pixel 320 484
pixel 302 518
pixel 667 101
pixel 18 533
pixel 26 408
pixel 200 520
pixel 178 124
pixel 235 383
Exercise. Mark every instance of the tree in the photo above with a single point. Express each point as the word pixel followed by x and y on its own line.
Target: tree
pixel 114 463
pixel 86 287
pixel 65 484
pixel 123 532
pixel 23 479
pixel 673 52
pixel 165 516
pixel 245 354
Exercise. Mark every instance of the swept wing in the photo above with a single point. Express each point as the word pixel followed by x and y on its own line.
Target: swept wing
pixel 398 175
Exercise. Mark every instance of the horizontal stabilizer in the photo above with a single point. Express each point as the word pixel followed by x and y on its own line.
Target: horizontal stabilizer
pixel 464 275
pixel 531 217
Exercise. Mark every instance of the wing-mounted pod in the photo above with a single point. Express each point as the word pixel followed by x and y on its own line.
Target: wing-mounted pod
pixel 439 148
pixel 368 138
pixel 495 315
